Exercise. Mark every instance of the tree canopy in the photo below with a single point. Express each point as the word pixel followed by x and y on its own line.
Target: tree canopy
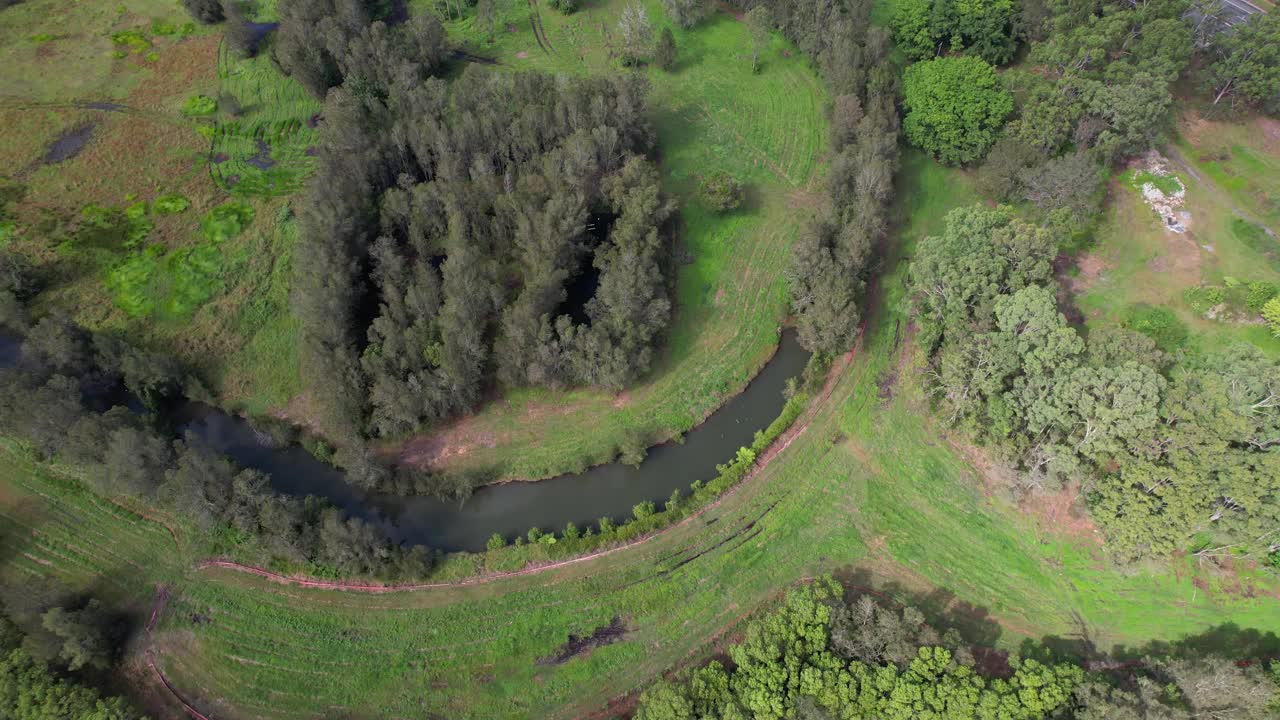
pixel 491 229
pixel 820 655
pixel 955 107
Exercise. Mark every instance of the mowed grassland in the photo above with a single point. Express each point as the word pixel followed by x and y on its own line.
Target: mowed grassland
pixel 1231 172
pixel 870 484
pixel 124 73
pixel 711 114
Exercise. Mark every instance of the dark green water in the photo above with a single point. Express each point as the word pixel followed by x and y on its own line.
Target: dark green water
pixel 511 509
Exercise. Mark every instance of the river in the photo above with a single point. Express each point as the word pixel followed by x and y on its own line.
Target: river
pixel 511 509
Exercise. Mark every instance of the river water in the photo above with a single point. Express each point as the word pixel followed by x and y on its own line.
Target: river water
pixel 509 509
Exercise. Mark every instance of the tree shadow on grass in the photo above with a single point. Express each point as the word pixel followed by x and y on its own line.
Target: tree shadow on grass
pixel 940 606
pixel 944 611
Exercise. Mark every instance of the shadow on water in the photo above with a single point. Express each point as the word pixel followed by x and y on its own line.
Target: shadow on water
pixel 513 508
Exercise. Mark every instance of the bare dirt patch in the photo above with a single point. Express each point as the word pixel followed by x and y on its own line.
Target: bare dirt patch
pixel 802 199
pixel 451 442
pixel 301 410
pixel 1090 268
pixel 1061 513
pixel 1270 129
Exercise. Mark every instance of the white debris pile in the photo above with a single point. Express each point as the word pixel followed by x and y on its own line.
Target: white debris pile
pixel 1167 205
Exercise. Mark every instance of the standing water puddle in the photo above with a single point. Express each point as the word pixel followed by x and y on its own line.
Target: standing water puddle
pixel 69 144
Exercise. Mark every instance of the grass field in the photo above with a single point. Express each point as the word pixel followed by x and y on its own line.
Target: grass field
pixel 1231 172
pixel 870 485
pixel 711 114
pixel 124 73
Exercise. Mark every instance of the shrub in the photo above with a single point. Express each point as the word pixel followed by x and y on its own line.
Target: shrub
pixel 1204 297
pixel 226 221
pixel 664 56
pixel 198 105
pixel 1259 293
pixel 495 542
pixel 1159 324
pixel 1271 313
pixel 171 204
pixel 565 6
pixel 955 108
pixel 722 192
pixel 643 510
pixel 133 39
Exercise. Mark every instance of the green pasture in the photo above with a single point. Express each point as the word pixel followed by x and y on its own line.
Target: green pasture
pixel 871 489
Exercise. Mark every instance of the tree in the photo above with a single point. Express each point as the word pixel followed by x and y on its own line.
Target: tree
pixel 29 690
pixel 721 192
pixel 760 25
pixel 238 32
pixel 792 663
pixel 135 462
pixel 1002 174
pixel 84 635
pixel 1246 63
pixel 207 12
pixel 983 28
pixel 686 13
pixel 637 33
pixel 665 54
pixel 981 256
pixel 1072 182
pixel 955 107
pixel 1120 119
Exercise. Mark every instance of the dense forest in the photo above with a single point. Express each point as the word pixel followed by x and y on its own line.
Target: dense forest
pixel 493 228
pixel 823 656
pixel 1174 453
pixel 1171 456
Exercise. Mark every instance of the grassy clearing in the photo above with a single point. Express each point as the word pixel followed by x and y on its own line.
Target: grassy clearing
pixel 1137 268
pixel 262 149
pixel 129 71
pixel 54 51
pixel 870 484
pixel 712 114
